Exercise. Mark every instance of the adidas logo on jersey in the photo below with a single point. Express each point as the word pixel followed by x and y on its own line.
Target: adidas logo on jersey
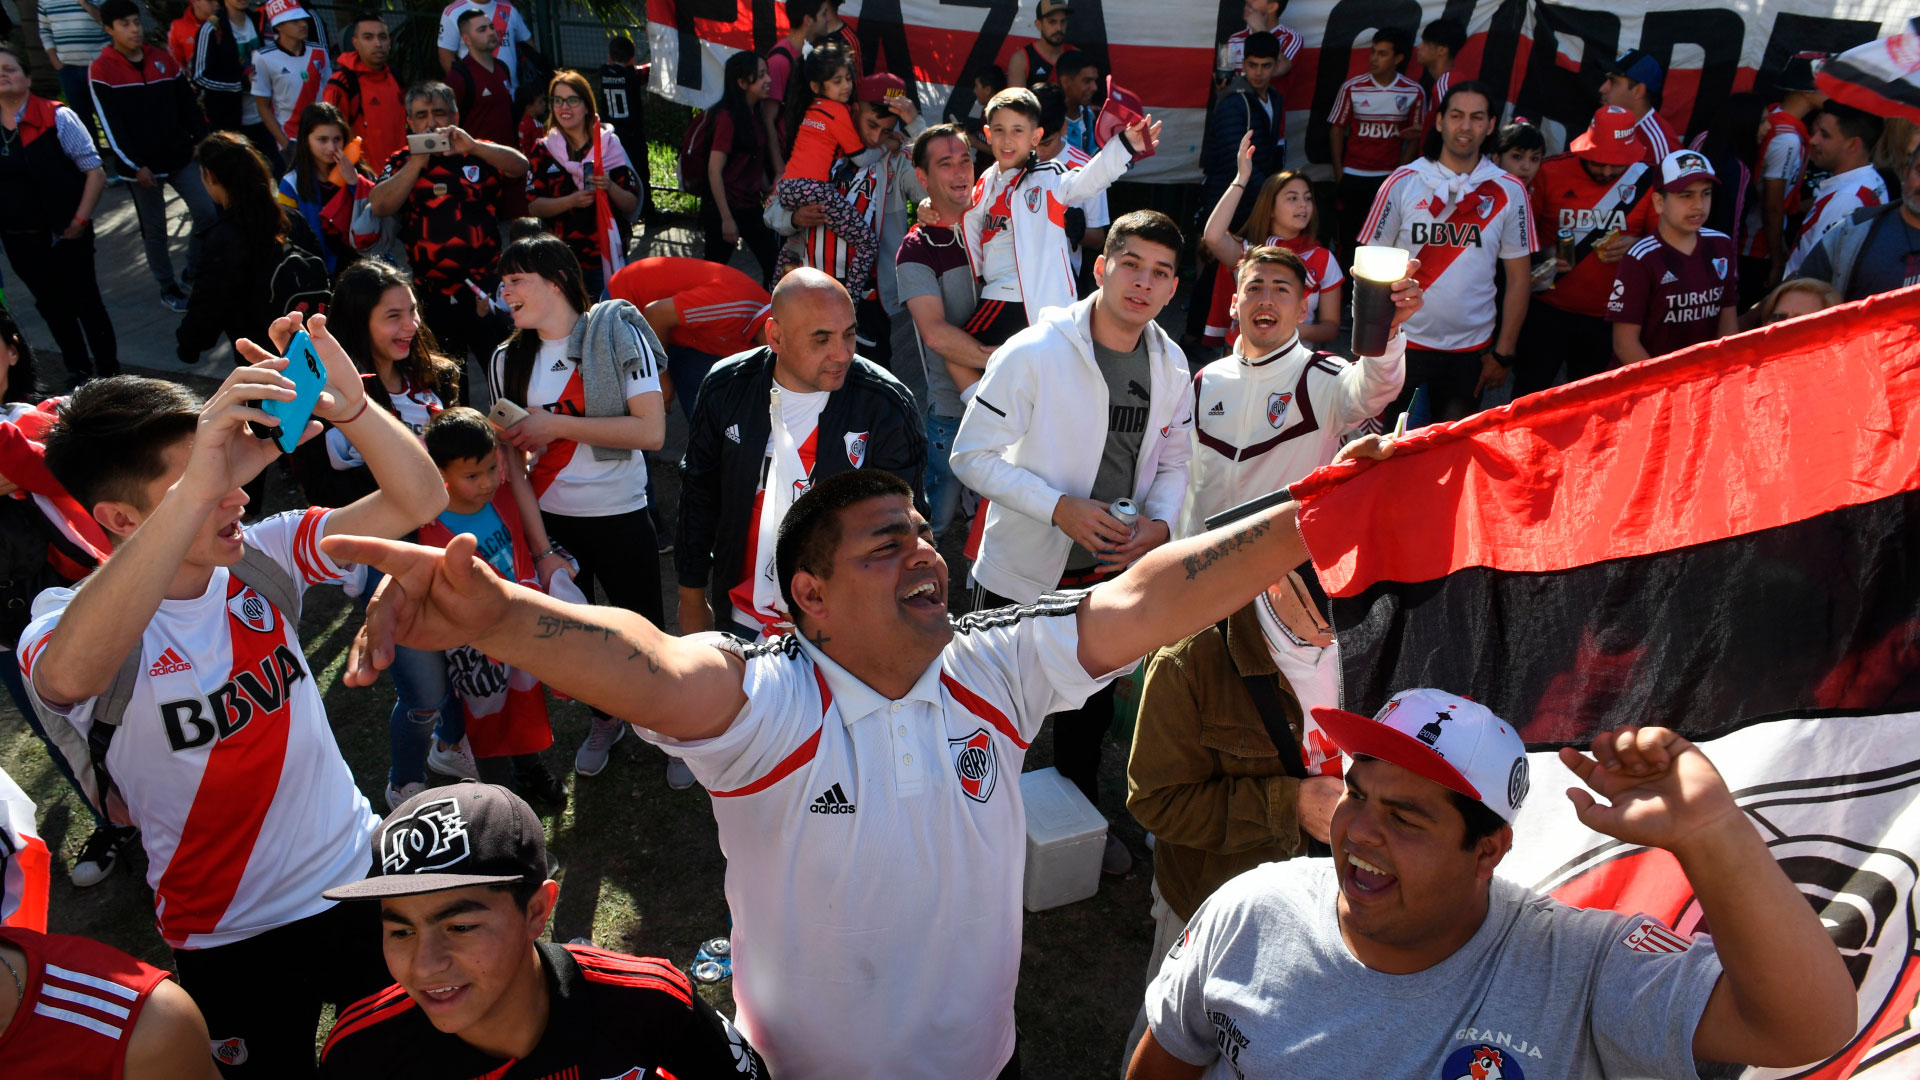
pixel 733 433
pixel 1219 409
pixel 558 365
pixel 169 663
pixel 831 801
pixel 1668 279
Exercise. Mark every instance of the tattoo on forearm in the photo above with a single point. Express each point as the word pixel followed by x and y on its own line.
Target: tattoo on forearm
pixel 652 658
pixel 1225 546
pixel 552 626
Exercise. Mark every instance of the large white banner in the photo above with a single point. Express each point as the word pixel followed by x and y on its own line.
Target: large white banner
pixel 1838 801
pixel 1165 52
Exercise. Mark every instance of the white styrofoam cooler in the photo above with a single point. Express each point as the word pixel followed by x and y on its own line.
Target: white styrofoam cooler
pixel 1066 838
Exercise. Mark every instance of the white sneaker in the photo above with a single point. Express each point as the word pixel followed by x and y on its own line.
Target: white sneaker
pixel 396 796
pixel 593 753
pixel 101 854
pixel 679 777
pixel 455 761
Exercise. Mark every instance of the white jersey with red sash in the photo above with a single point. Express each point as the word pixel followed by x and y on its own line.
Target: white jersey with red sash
pixel 822 248
pixel 1323 274
pixel 1459 226
pixel 789 465
pixel 1783 157
pixel 224 754
pixel 567 476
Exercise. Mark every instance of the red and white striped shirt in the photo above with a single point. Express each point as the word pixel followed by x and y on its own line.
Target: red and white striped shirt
pixel 1237 45
pixel 225 757
pixel 1657 136
pixel 1836 197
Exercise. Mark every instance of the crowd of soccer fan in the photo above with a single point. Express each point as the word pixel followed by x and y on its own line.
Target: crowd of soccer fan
pixel 943 341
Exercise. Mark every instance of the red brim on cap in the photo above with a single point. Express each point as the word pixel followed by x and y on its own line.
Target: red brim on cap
pixel 1363 736
pixel 1616 153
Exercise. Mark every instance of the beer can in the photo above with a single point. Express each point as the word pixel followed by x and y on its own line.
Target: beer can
pixel 1126 512
pixel 1565 249
pixel 706 972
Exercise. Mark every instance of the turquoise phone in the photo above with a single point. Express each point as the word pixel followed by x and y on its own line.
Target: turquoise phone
pixel 309 378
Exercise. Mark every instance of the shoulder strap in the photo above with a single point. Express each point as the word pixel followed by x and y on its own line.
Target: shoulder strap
pixel 1266 702
pixel 270 580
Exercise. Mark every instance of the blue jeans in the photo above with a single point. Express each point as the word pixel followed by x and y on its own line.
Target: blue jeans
pixel 423 705
pixel 79 94
pixel 687 367
pixel 943 489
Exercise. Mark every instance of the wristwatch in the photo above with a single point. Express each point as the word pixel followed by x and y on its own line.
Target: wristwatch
pixel 1503 361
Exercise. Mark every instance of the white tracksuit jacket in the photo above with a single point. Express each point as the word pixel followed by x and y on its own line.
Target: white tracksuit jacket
pixel 1261 424
pixel 1041 254
pixel 1035 431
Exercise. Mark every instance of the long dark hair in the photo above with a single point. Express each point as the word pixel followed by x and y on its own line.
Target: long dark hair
pixel 1732 146
pixel 243 174
pixel 743 66
pixel 356 296
pixel 21 382
pixel 305 169
pixel 821 64
pixel 548 256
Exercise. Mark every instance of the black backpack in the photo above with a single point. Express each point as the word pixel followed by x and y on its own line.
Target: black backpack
pixel 298 282
pixel 694 154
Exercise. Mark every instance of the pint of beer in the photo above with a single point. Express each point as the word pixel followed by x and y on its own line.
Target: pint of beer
pixel 1375 269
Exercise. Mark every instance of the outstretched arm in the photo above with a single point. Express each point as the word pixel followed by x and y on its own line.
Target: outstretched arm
pixel 1784 997
pixel 610 658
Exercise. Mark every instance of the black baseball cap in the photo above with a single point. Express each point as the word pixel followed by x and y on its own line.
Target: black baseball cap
pixel 1637 65
pixel 453 837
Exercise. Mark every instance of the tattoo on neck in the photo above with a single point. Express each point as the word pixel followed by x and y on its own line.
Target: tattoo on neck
pixel 1225 546
pixel 819 639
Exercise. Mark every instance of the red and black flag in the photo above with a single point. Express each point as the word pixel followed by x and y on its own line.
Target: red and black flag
pixel 1724 541
pixel 1881 77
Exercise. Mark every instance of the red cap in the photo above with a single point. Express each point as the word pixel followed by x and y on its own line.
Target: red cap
pixel 1613 139
pixel 1122 110
pixel 877 88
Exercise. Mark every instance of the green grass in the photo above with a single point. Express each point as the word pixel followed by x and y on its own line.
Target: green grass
pixel 640 864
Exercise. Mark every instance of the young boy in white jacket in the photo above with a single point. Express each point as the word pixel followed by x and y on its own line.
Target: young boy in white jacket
pixel 1092 404
pixel 1016 228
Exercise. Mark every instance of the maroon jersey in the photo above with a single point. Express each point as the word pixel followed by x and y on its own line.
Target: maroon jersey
pixel 1674 298
pixel 81 1002
pixel 485 100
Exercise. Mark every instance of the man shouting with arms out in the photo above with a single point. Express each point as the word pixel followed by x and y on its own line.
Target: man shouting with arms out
pixel 882 940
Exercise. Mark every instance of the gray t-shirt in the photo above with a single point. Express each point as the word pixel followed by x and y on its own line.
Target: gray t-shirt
pixel 1889 260
pixel 932 262
pixel 1263 985
pixel 1129 394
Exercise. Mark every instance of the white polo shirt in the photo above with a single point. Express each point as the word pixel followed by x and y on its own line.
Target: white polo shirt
pixel 875 848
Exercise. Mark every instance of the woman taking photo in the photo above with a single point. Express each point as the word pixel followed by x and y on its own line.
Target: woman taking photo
pixel 736 168
pixel 50 180
pixel 240 249
pixel 569 166
pixel 588 377
pixel 1282 217
pixel 312 184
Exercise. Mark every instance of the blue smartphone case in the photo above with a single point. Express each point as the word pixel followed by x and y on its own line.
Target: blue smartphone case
pixel 309 378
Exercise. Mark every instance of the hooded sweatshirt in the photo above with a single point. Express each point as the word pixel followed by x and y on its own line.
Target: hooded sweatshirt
pixel 1035 431
pixel 374 106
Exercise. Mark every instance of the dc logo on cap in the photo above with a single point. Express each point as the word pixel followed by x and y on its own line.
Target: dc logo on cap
pixel 433 838
pixel 1518 782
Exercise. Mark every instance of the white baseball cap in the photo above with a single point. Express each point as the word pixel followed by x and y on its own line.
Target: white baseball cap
pixel 1681 168
pixel 1456 743
pixel 279 11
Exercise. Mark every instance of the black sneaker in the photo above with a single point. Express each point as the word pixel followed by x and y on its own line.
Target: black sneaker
pixel 103 850
pixel 175 298
pixel 536 783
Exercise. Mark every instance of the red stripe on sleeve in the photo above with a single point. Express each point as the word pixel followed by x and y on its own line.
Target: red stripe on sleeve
pixel 979 707
pixel 800 756
pixel 380 1015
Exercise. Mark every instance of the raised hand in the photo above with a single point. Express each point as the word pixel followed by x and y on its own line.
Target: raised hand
pixel 1243 160
pixel 345 392
pixel 432 599
pixel 1143 136
pixel 225 454
pixel 1661 791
